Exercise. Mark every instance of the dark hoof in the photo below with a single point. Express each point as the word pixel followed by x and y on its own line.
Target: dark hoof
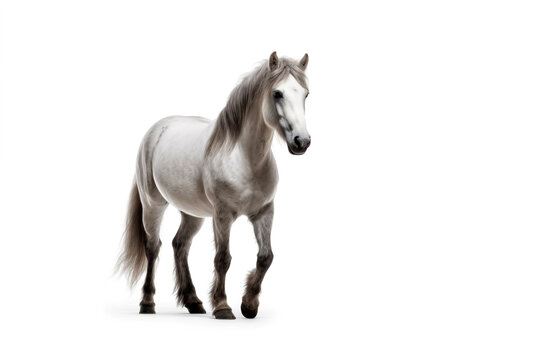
pixel 195 308
pixel 247 312
pixel 224 314
pixel 148 309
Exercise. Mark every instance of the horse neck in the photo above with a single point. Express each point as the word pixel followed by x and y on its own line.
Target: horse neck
pixel 256 139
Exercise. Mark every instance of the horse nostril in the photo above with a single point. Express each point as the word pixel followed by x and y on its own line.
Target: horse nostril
pixel 297 141
pixel 302 143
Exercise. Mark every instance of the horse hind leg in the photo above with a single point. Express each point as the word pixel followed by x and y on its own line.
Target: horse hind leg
pixel 186 293
pixel 152 216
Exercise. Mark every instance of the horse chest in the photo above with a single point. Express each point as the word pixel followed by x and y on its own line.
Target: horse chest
pixel 257 191
pixel 241 188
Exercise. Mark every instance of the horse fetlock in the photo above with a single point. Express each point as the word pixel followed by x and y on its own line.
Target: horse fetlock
pixel 149 289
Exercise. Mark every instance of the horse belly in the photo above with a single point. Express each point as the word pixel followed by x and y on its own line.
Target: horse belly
pixel 190 201
pixel 177 169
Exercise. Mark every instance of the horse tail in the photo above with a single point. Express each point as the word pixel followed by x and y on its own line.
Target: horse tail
pixel 132 260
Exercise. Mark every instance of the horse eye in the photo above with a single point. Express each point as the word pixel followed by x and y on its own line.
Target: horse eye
pixel 278 94
pixel 307 95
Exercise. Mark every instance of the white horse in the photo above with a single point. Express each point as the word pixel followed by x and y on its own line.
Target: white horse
pixel 220 169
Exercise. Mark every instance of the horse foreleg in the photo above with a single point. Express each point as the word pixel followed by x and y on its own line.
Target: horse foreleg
pixel 222 222
pixel 262 225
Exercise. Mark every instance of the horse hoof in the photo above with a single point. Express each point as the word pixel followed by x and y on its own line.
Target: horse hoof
pixel 247 312
pixel 148 309
pixel 195 308
pixel 224 314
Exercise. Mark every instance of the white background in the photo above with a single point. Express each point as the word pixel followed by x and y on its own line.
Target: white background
pixel 409 230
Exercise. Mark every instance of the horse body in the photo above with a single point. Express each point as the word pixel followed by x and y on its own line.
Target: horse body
pixel 173 162
pixel 220 169
pixel 176 158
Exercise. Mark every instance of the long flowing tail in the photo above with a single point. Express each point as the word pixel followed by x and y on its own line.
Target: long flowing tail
pixel 132 260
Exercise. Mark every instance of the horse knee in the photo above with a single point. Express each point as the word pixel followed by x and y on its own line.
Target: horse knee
pixel 222 261
pixel 265 260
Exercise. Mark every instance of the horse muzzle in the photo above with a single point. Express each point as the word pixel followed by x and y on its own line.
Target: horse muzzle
pixel 299 145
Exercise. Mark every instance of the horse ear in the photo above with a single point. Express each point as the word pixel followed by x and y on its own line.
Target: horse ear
pixel 273 62
pixel 303 62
